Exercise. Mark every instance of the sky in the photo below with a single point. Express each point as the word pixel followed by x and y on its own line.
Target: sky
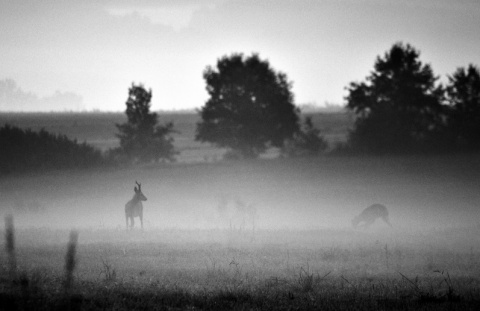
pixel 84 55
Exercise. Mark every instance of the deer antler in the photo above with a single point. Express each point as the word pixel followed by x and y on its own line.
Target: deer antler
pixel 139 185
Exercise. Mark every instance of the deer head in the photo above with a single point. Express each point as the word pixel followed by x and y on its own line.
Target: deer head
pixel 138 192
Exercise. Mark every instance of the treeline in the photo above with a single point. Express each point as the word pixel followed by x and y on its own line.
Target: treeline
pixel 26 150
pixel 400 108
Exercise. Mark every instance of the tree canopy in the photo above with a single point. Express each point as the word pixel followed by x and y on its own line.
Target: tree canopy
pixel 463 96
pixel 399 107
pixel 141 139
pixel 251 106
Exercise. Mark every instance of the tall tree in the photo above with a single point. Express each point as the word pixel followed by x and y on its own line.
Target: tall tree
pixel 399 107
pixel 250 106
pixel 141 139
pixel 463 95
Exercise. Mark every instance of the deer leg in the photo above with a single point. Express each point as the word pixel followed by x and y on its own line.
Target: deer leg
pixel 141 220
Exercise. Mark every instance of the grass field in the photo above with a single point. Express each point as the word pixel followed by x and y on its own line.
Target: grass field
pixel 296 251
pixel 300 252
pixel 219 269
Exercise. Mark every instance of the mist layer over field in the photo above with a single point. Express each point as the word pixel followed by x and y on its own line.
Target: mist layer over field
pixel 322 193
pixel 200 247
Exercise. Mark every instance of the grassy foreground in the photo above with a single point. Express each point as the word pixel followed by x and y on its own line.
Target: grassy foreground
pixel 233 270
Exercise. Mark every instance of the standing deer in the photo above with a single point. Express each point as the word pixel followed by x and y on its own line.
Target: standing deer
pixel 370 214
pixel 134 207
pixel 237 214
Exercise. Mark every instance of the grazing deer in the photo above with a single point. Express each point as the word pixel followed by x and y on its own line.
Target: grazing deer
pixel 237 214
pixel 370 214
pixel 134 207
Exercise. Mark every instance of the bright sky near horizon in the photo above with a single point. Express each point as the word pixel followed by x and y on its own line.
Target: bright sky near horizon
pixel 84 55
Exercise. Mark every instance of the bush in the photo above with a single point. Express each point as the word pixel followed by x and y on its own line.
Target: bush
pixel 26 150
pixel 306 142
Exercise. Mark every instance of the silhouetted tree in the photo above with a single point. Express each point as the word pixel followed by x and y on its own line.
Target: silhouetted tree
pixel 399 107
pixel 250 106
pixel 141 139
pixel 463 95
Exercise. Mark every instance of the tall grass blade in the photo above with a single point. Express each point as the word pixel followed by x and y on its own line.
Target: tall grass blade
pixel 10 247
pixel 70 260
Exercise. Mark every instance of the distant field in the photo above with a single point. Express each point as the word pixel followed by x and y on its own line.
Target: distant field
pixel 98 129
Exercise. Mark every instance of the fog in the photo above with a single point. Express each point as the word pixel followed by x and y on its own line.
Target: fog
pixel 420 193
pixel 266 227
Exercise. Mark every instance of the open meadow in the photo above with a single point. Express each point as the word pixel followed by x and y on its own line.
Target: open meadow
pixel 293 248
